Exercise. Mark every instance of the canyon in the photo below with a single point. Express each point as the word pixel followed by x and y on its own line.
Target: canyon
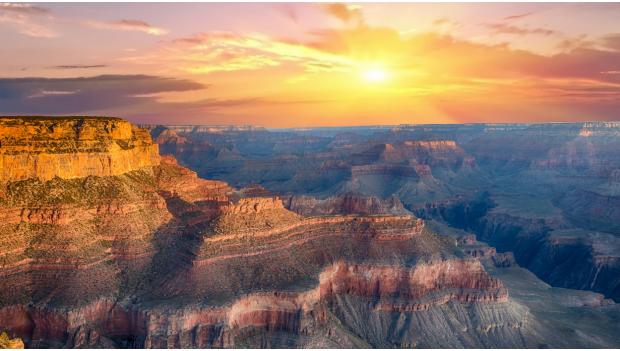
pixel 116 235
pixel 547 192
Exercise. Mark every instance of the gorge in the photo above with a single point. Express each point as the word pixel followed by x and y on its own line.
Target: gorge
pixel 116 235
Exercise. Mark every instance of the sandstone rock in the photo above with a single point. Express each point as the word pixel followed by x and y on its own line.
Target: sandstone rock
pixel 253 205
pixel 48 147
pixel 6 342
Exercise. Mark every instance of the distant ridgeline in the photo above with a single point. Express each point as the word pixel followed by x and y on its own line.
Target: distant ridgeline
pixel 72 147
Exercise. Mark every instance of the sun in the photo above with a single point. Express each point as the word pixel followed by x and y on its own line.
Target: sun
pixel 375 75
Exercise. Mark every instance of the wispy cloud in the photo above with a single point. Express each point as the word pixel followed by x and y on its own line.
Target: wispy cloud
pixel 504 28
pixel 129 25
pixel 44 93
pixel 227 51
pixel 25 9
pixel 78 66
pixel 611 41
pixel 518 16
pixel 72 95
pixel 26 19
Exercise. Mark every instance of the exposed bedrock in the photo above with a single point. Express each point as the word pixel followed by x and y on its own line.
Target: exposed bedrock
pixel 348 293
pixel 575 259
pixel 156 257
pixel 44 148
pixel 591 210
pixel 348 203
pixel 563 257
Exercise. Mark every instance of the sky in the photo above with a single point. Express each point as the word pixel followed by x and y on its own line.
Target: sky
pixel 312 64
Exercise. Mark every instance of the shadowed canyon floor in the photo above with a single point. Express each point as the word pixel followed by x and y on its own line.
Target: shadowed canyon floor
pixel 305 240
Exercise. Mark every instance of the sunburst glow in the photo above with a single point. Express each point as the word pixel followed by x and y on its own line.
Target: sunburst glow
pixel 375 75
pixel 359 64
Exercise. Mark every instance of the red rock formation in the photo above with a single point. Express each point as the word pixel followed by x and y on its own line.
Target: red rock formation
pixel 72 148
pixel 387 288
pixel 253 205
pixel 156 257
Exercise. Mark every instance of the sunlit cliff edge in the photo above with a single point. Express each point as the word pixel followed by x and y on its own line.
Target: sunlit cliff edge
pixel 72 147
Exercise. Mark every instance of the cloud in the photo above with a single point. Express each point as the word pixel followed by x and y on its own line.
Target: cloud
pixel 136 97
pixel 611 41
pixel 451 74
pixel 345 12
pixel 24 9
pixel 27 19
pixel 78 66
pixel 83 94
pixel 128 25
pixel 445 25
pixel 44 93
pixel 504 28
pixel 576 42
pixel 439 57
pixel 441 21
pixel 227 52
pixel 518 16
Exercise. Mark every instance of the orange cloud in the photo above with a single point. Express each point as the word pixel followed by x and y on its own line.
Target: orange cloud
pixel 129 25
pixel 226 51
pixel 318 78
pixel 345 12
pixel 437 75
pixel 427 70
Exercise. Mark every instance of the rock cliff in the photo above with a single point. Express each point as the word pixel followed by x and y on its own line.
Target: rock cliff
pixel 348 203
pixel 48 147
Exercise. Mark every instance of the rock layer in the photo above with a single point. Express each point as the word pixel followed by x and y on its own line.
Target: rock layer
pixel 157 257
pixel 48 147
pixel 387 289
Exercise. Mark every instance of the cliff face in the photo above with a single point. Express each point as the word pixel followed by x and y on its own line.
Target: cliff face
pixel 48 147
pixel 561 255
pixel 349 203
pixel 380 291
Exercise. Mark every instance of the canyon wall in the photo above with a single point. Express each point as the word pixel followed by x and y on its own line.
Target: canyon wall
pixel 381 291
pixel 144 253
pixel 348 203
pixel 48 147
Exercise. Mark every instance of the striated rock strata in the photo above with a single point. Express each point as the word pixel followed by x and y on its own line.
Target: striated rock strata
pixel 156 257
pixel 48 147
